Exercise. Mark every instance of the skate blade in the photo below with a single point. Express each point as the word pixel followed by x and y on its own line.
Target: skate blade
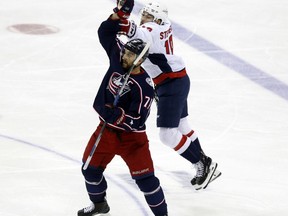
pixel 216 174
pixel 204 185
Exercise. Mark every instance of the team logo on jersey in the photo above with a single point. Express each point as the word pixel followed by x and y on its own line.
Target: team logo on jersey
pixel 116 82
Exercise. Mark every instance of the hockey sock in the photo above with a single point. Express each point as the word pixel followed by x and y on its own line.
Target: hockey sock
pixel 195 139
pixel 96 184
pixel 154 195
pixel 197 143
pixel 192 153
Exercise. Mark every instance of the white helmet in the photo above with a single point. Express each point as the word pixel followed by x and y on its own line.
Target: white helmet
pixel 159 11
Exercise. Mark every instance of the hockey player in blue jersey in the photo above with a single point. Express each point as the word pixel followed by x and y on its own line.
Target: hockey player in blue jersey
pixel 172 86
pixel 124 133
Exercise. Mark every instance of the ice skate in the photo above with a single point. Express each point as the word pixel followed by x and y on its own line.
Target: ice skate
pixel 95 209
pixel 216 174
pixel 205 170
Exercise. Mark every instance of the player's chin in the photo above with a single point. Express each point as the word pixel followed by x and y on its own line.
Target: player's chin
pixel 125 65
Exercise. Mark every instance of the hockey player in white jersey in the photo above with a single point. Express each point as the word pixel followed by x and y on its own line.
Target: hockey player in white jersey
pixel 172 87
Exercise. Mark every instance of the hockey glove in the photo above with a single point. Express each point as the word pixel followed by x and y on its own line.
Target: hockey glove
pixel 124 8
pixel 127 27
pixel 113 115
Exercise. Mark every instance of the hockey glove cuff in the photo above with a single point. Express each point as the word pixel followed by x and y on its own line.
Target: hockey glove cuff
pixel 127 28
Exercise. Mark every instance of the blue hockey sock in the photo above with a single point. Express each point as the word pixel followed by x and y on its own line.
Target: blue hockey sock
pixel 154 195
pixel 192 153
pixel 197 143
pixel 96 184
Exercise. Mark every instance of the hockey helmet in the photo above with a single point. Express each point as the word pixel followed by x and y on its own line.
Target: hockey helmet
pixel 136 46
pixel 157 10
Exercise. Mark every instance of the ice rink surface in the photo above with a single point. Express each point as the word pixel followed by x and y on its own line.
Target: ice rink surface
pixel 236 53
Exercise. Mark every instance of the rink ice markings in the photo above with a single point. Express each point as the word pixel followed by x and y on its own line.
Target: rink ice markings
pixel 110 179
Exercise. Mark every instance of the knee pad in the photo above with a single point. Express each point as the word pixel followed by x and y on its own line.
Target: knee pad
pixel 170 136
pixel 184 126
pixel 92 174
pixel 148 184
pixel 186 130
pixel 174 139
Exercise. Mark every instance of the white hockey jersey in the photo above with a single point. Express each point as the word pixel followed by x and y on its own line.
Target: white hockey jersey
pixel 161 63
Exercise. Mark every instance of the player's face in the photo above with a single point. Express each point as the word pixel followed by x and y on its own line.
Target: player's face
pixel 128 58
pixel 146 17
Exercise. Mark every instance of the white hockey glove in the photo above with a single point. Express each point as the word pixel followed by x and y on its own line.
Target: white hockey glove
pixel 128 28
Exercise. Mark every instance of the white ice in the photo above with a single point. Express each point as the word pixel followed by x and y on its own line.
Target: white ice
pixel 48 84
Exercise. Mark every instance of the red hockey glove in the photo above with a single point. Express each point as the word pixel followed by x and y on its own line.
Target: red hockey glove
pixel 124 8
pixel 127 27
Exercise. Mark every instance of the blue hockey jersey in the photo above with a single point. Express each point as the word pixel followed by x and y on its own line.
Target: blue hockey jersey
pixel 137 97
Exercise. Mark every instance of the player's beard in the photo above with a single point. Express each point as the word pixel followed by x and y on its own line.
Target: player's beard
pixel 125 65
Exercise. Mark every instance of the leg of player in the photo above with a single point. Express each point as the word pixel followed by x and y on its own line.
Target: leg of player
pixel 96 186
pixel 185 129
pixel 154 195
pixel 189 150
